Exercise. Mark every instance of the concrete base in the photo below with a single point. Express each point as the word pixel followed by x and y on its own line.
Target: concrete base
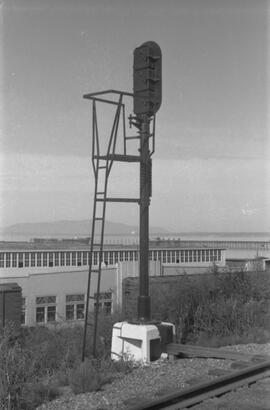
pixel 138 342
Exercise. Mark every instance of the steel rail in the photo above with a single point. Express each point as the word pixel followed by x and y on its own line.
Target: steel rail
pixel 196 394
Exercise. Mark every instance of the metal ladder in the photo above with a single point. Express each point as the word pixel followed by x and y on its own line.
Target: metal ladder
pixel 102 164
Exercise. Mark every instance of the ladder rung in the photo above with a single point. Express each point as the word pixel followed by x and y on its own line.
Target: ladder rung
pixel 137 200
pixel 102 167
pixel 119 157
pixel 98 218
pixel 97 244
pixel 100 193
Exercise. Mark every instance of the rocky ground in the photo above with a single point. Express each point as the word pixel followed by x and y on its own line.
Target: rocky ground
pixel 162 377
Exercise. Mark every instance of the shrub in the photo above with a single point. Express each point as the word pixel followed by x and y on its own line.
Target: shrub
pixel 221 305
pixel 85 378
pixel 16 370
pixel 34 394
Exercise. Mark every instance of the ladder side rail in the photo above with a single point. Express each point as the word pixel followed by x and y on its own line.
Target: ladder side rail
pixel 90 266
pixel 95 164
pixel 100 258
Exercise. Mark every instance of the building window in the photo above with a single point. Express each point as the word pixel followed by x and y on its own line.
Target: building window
pixel 105 258
pixel 110 258
pixel 23 312
pixel 79 259
pixel 116 258
pixel 67 258
pixel 8 260
pixel 62 257
pixel 39 259
pixel 203 255
pixel 1 260
pixel 50 259
pixel 136 255
pixel 56 259
pixel 45 258
pixel 199 255
pixel 75 307
pixel 105 302
pixel 14 260
pixel 126 256
pixel 219 255
pixel 33 259
pixel 121 256
pixel 26 259
pixel 164 256
pixel 208 255
pixel 73 258
pixel 20 265
pixel 85 258
pixel 45 309
pixel 95 262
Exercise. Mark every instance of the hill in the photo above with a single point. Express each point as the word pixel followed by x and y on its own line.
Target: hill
pixel 66 229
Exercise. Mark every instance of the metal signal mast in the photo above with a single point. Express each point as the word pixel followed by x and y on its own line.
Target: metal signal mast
pixel 147 100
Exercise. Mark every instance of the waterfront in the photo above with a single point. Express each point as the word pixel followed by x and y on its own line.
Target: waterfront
pixel 237 245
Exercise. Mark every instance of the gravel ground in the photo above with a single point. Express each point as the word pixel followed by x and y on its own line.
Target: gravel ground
pixel 162 377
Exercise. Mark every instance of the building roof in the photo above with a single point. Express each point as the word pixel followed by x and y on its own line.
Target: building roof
pixel 77 245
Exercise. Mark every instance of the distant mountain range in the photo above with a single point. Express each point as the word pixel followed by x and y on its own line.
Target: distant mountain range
pixel 71 229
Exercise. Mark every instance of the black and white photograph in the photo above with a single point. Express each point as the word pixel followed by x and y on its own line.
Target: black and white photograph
pixel 134 204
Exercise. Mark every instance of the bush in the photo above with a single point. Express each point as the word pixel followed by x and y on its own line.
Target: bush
pixel 36 359
pixel 34 394
pixel 221 305
pixel 91 375
pixel 85 378
pixel 16 370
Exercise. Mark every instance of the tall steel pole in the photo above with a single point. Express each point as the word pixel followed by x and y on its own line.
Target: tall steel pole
pixel 144 302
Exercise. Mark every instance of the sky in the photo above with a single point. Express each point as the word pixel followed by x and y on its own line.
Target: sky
pixel 211 169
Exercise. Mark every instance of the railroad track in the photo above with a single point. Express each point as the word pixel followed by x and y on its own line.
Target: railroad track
pixel 191 396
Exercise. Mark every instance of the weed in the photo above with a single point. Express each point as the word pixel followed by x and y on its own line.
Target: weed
pixel 36 393
pixel 85 378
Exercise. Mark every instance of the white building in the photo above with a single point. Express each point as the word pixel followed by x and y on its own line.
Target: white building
pixel 53 276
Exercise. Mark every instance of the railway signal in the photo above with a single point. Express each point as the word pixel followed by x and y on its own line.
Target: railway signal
pixel 147 95
pixel 147 80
